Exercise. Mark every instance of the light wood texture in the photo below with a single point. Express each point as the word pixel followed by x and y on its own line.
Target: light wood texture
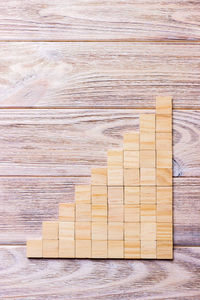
pixel 83 248
pixel 163 105
pixel 82 230
pixel 66 230
pixel 115 249
pixel 50 248
pixel 164 176
pixel 99 213
pixel 163 159
pixel 148 176
pixel 115 176
pixel 83 194
pixel 131 213
pixel 50 230
pixel 163 123
pixel 131 194
pixel 116 231
pixel 66 248
pixel 115 213
pixel 164 249
pixel 115 195
pixel 99 231
pixel 131 177
pixel 148 249
pixel 131 159
pixel 67 212
pixel 83 212
pixel 148 195
pixel 115 158
pixel 148 231
pixel 99 194
pixel 132 231
pixel 147 159
pixel 148 213
pixel 132 249
pixel 34 248
pixel 99 176
pixel 131 141
pixel 163 141
pixel 99 249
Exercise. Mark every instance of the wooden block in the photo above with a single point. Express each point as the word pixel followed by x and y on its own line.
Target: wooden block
pixel 131 195
pixel 148 231
pixel 83 248
pixel 115 249
pixel 34 248
pixel 163 123
pixel 131 213
pixel 83 194
pixel 99 213
pixel 115 213
pixel 164 177
pixel 66 230
pixel 164 249
pixel 50 230
pixel 164 159
pixel 164 231
pixel 148 194
pixel 147 123
pixel 99 231
pixel 147 141
pixel 164 195
pixel 163 105
pixel 131 159
pixel 66 248
pixel 132 249
pixel 163 140
pixel 148 213
pixel 115 158
pixel 82 230
pixel 50 248
pixel 99 176
pixel 83 212
pixel 99 249
pixel 147 176
pixel 67 212
pixel 115 176
pixel 164 212
pixel 132 231
pixel 148 249
pixel 115 194
pixel 147 159
pixel 99 194
pixel 131 177
pixel 131 141
pixel 116 231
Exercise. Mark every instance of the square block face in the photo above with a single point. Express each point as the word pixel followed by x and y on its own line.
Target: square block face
pixel 115 194
pixel 164 159
pixel 132 231
pixel 50 248
pixel 115 158
pixel 67 212
pixel 163 123
pixel 147 122
pixel 164 213
pixel 132 249
pixel 66 248
pixel 83 194
pixel 99 194
pixel 116 231
pixel 131 177
pixel 148 213
pixel 163 105
pixel 148 194
pixel 99 213
pixel 163 140
pixel 66 230
pixel 99 249
pixel 115 213
pixel 34 248
pixel 50 230
pixel 99 176
pixel 164 249
pixel 83 248
pixel 131 159
pixel 164 231
pixel 148 249
pixel 115 249
pixel 148 231
pixel 164 177
pixel 147 176
pixel 131 141
pixel 164 195
pixel 83 212
pixel 131 195
pixel 147 159
pixel 147 141
pixel 99 231
pixel 82 230
pixel 115 176
pixel 131 213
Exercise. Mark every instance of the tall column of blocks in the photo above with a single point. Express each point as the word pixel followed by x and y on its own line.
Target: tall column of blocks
pixel 126 211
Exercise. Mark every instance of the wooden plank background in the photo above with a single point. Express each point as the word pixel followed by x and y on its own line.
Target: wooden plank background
pixel 74 76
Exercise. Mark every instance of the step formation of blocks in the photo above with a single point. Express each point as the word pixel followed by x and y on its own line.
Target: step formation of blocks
pixel 126 211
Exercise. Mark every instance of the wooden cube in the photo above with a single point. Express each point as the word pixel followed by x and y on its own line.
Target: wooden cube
pixel 164 231
pixel 66 248
pixel 83 194
pixel 67 212
pixel 116 231
pixel 147 176
pixel 164 177
pixel 82 230
pixel 147 140
pixel 115 194
pixel 131 195
pixel 115 158
pixel 131 159
pixel 99 194
pixel 99 213
pixel 164 212
pixel 50 248
pixel 83 212
pixel 132 231
pixel 66 230
pixel 147 159
pixel 115 176
pixel 83 248
pixel 50 230
pixel 164 159
pixel 164 195
pixel 148 231
pixel 163 105
pixel 148 213
pixel 164 141
pixel 148 249
pixel 131 141
pixel 147 122
pixel 131 177
pixel 164 249
pixel 115 249
pixel 34 248
pixel 131 249
pixel 163 123
pixel 148 194
pixel 131 213
pixel 99 231
pixel 99 176
pixel 115 213
pixel 99 249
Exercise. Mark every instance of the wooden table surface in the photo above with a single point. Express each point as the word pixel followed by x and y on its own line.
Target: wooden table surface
pixel 74 76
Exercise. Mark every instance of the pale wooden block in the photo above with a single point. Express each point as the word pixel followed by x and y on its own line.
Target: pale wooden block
pixel 50 230
pixel 115 213
pixel 148 249
pixel 99 176
pixel 82 230
pixel 163 123
pixel 115 194
pixel 34 248
pixel 115 176
pixel 131 195
pixel 99 194
pixel 148 213
pixel 99 249
pixel 164 140
pixel 131 177
pixel 164 177
pixel 132 249
pixel 131 213
pixel 164 212
pixel 131 141
pixel 66 248
pixel 66 230
pixel 147 159
pixel 83 194
pixel 116 231
pixel 115 158
pixel 99 213
pixel 164 195
pixel 83 248
pixel 147 176
pixel 147 140
pixel 99 231
pixel 115 249
pixel 164 231
pixel 164 159
pixel 147 122
pixel 163 105
pixel 148 231
pixel 67 212
pixel 50 248
pixel 148 194
pixel 83 212
pixel 164 249
pixel 131 159
pixel 132 231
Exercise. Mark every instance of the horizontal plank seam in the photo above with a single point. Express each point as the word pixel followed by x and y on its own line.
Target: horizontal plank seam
pixel 91 107
pixel 189 41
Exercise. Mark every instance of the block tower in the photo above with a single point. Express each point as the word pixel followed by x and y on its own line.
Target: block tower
pixel 126 211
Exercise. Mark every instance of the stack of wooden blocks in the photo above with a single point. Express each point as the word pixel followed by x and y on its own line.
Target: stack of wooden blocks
pixel 126 212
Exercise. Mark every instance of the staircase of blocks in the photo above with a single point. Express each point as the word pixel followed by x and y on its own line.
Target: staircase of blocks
pixel 126 211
